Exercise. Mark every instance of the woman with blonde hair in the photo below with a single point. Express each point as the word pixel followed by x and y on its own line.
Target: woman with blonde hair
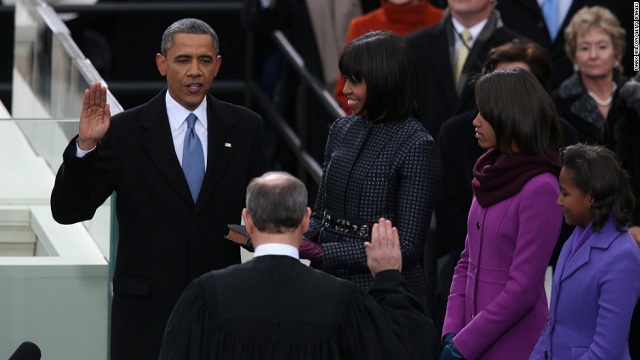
pixel 590 99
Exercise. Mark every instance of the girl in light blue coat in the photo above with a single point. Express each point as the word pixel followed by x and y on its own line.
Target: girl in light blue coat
pixel 596 284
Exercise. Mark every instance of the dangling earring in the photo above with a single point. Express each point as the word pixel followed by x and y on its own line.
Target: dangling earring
pixel 576 68
pixel 616 64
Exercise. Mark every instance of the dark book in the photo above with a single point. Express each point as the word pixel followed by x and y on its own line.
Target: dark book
pixel 238 234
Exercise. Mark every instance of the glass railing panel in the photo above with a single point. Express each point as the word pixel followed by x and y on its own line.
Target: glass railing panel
pixel 49 272
pixel 54 278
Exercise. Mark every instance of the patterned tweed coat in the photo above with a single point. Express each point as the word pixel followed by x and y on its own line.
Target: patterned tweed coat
pixel 389 170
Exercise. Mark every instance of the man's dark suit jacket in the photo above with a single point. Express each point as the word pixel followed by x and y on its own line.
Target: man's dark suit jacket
pixel 165 240
pixel 274 307
pixel 525 17
pixel 433 49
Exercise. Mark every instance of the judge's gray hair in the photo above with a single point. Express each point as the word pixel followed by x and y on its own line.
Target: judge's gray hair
pixel 276 202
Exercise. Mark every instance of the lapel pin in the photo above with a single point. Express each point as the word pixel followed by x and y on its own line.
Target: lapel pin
pixel 227 145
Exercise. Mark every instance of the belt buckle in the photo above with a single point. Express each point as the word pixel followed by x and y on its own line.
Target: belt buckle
pixel 326 221
pixel 343 225
pixel 364 230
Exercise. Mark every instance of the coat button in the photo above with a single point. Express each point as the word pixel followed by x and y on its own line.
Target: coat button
pixel 478 225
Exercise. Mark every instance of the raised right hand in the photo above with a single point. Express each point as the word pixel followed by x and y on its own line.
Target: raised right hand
pixel 95 117
pixel 383 252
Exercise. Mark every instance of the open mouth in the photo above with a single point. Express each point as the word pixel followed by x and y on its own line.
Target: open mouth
pixel 194 87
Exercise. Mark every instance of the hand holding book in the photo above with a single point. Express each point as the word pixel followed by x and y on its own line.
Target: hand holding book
pixel 239 235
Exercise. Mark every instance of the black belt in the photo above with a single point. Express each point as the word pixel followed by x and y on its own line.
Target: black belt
pixel 346 226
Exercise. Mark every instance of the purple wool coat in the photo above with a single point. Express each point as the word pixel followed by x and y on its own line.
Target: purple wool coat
pixel 497 306
pixel 592 298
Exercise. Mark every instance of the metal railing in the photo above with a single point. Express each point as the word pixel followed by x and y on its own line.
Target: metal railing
pixel 309 82
pixel 253 93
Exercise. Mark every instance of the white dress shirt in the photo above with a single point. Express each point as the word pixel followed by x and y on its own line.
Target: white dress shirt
pixel 474 30
pixel 178 124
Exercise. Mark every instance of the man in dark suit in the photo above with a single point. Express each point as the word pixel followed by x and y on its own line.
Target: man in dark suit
pixel 526 18
pixel 170 232
pixel 435 49
pixel 274 307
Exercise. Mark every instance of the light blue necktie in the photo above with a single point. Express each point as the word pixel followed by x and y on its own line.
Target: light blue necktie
pixel 550 12
pixel 193 158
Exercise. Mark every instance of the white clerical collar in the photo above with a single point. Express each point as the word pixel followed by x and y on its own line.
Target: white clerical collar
pixel 276 249
pixel 177 113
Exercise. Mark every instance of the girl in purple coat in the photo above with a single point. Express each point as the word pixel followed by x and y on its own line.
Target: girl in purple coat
pixel 596 284
pixel 497 304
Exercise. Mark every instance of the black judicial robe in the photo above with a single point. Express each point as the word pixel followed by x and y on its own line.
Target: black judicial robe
pixel 274 307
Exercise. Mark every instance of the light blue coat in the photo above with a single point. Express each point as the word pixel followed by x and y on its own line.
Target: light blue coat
pixel 592 299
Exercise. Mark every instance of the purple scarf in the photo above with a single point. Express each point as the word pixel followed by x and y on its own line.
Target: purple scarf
pixel 497 177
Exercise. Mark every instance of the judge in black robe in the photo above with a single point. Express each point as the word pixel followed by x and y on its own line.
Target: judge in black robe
pixel 274 307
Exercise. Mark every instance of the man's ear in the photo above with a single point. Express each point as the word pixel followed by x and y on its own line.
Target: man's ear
pixel 304 224
pixel 248 221
pixel 217 66
pixel 161 63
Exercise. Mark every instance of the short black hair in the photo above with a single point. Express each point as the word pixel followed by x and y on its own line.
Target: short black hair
pixel 188 26
pixel 387 65
pixel 597 171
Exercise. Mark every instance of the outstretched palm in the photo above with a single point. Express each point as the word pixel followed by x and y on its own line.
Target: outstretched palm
pixel 95 117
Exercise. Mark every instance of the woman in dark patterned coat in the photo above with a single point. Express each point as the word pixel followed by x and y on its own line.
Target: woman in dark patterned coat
pixel 379 162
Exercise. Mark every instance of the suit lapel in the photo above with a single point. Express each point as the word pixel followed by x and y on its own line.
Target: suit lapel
pixel 437 54
pixel 532 5
pixel 573 9
pixel 473 63
pixel 220 149
pixel 157 142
